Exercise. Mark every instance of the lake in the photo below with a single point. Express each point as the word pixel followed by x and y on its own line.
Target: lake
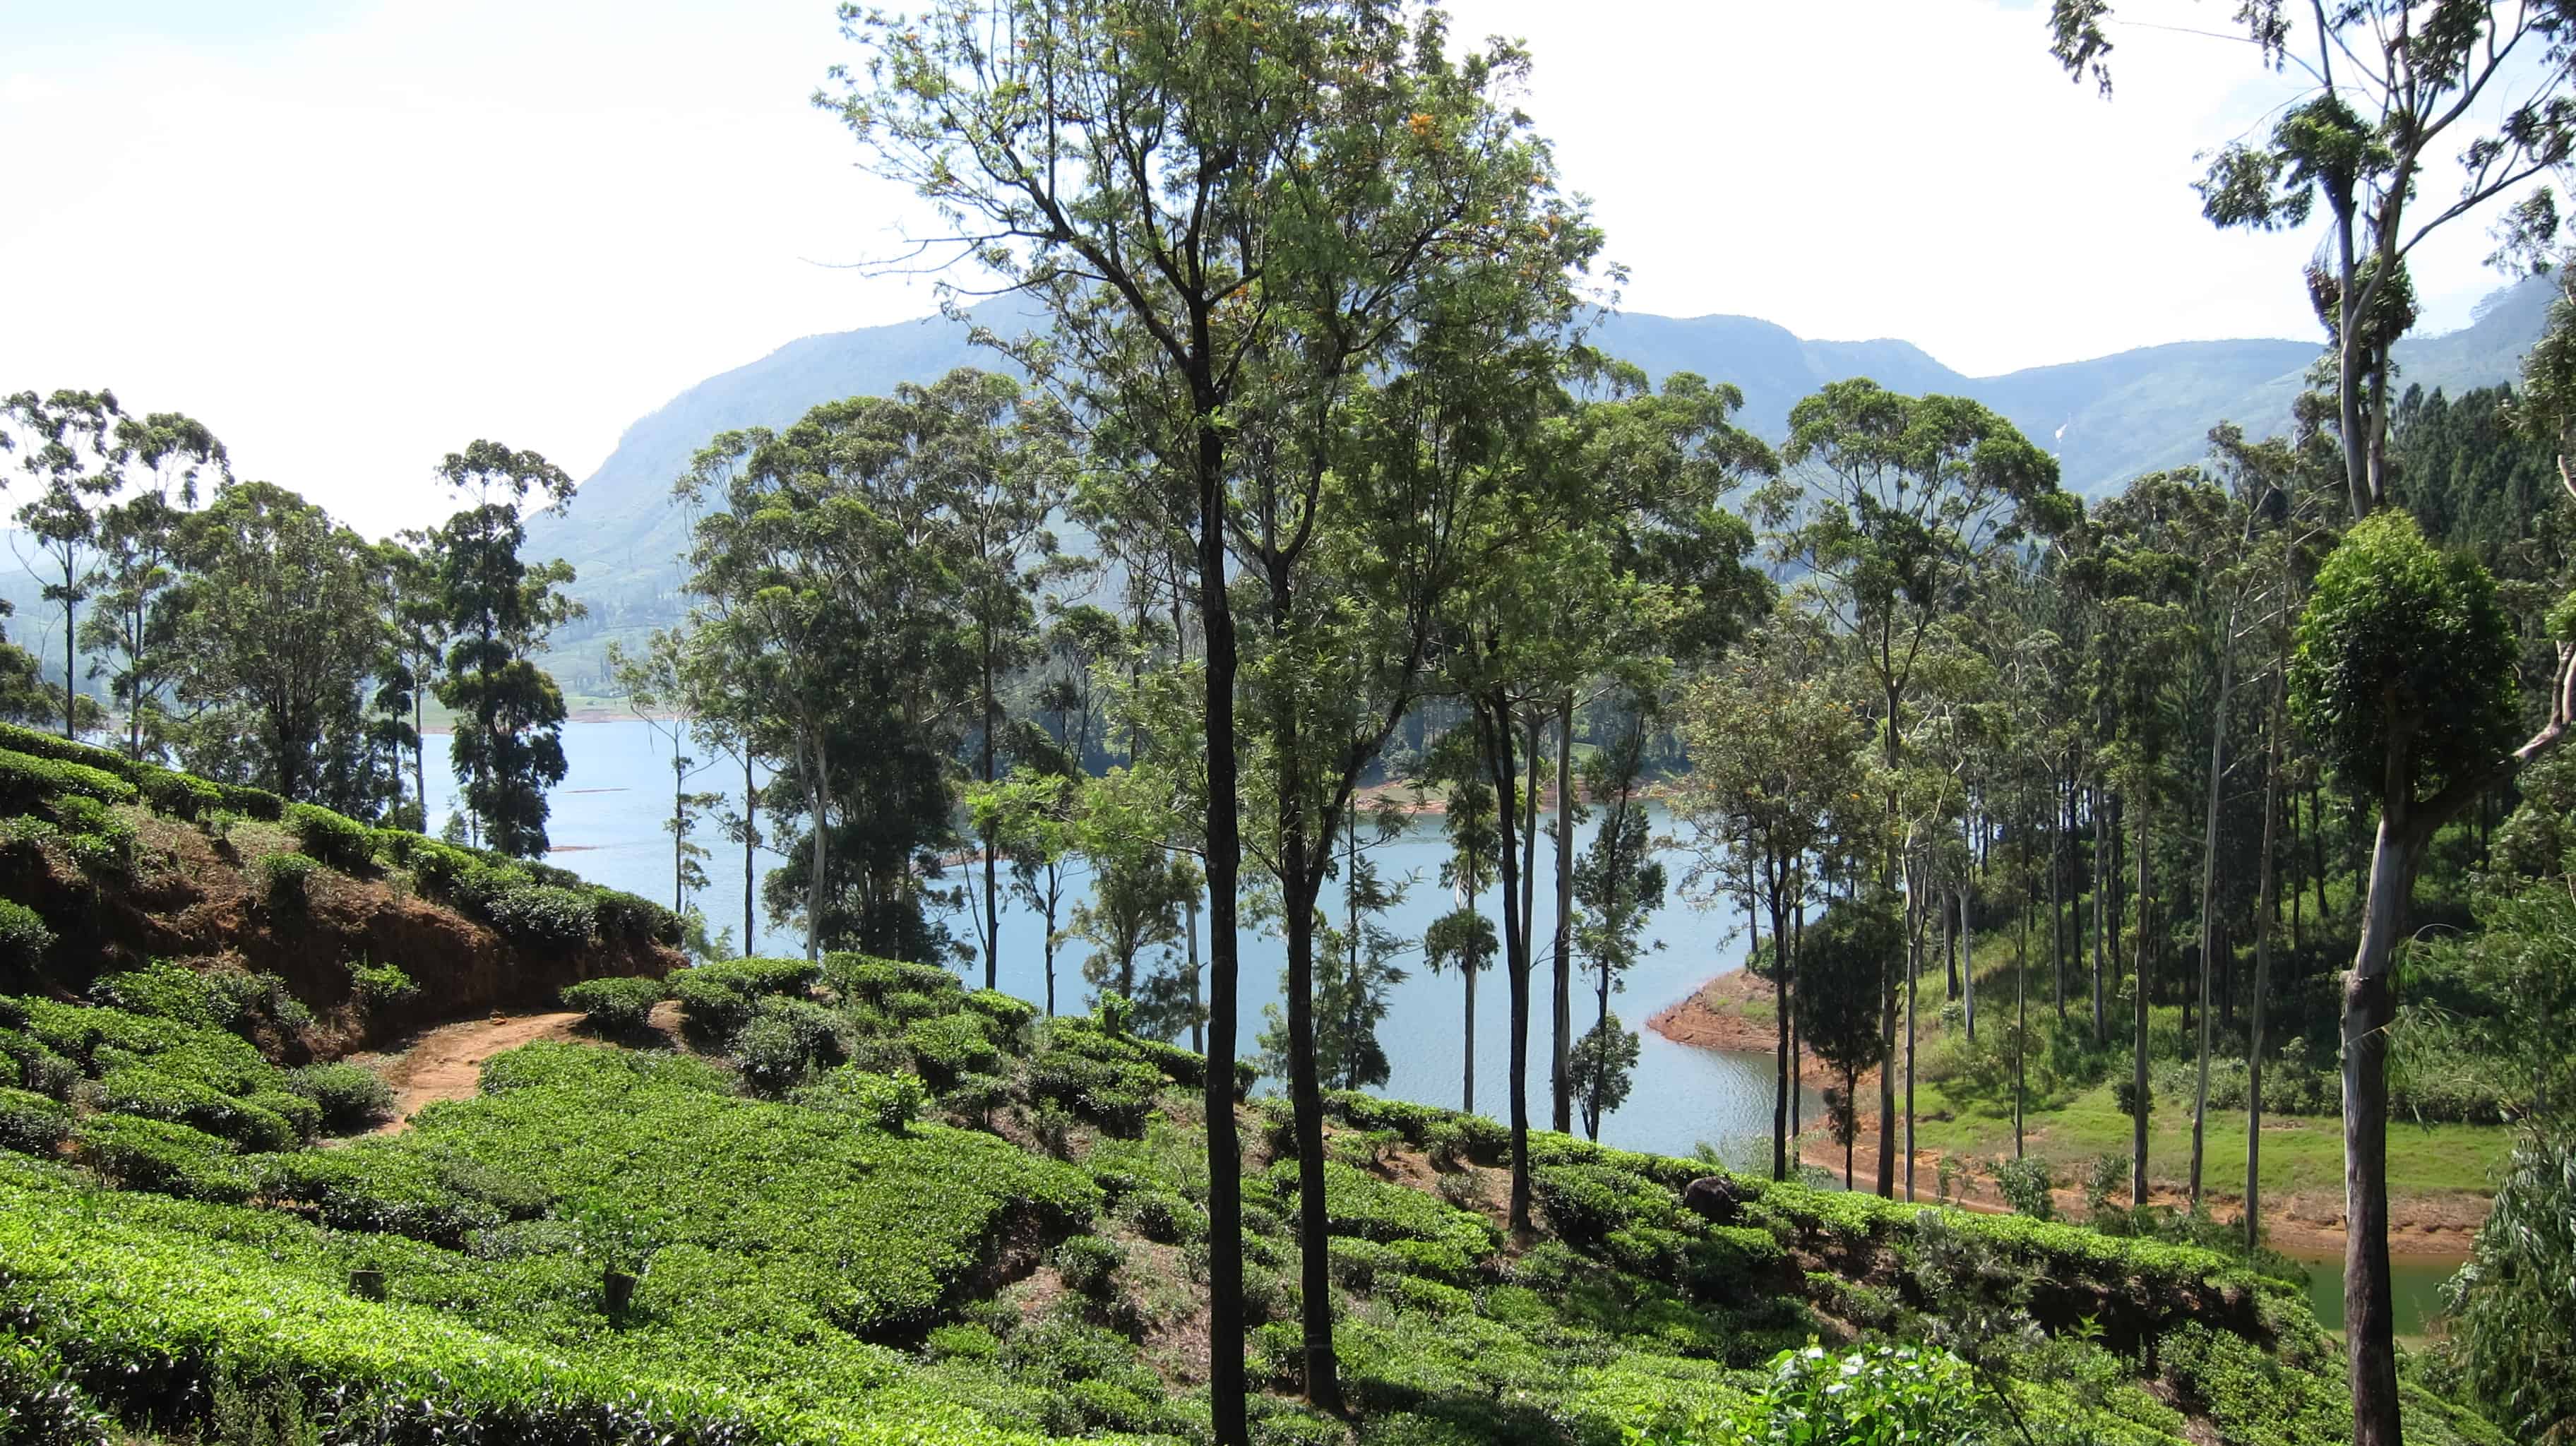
pixel 607 827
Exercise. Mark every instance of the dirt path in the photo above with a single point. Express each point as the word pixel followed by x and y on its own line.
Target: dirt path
pixel 446 1063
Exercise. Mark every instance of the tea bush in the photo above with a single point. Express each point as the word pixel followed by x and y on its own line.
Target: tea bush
pixel 32 1124
pixel 544 916
pixel 349 1097
pixel 283 879
pixel 162 1156
pixel 23 937
pixel 381 986
pixel 950 1045
pixel 340 842
pixel 620 1006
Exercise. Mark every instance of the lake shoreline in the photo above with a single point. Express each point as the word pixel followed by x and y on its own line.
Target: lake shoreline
pixel 1734 1012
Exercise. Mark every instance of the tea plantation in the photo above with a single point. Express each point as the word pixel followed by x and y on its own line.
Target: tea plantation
pixel 765 1201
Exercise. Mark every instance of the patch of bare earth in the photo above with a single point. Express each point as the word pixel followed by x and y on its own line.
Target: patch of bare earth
pixel 446 1063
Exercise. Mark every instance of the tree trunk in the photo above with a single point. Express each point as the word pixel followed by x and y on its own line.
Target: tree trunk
pixel 2138 1098
pixel 818 794
pixel 71 658
pixel 2209 932
pixel 1782 1002
pixel 750 814
pixel 1967 963
pixel 2098 920
pixel 992 896
pixel 2368 1009
pixel 1223 863
pixel 1561 949
pixel 1496 721
pixel 1797 1071
pixel 1913 972
pixel 2263 925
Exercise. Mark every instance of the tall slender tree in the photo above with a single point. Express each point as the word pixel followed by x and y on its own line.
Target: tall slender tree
pixel 508 745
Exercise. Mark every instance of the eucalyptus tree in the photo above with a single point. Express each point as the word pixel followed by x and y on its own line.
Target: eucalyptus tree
pixel 1138 884
pixel 1779 762
pixel 2389 85
pixel 1895 502
pixel 418 652
pixel 76 448
pixel 1034 817
pixel 1660 462
pixel 1617 884
pixel 283 623
pixel 830 612
pixel 508 745
pixel 997 461
pixel 132 631
pixel 1188 186
pixel 2139 566
pixel 656 684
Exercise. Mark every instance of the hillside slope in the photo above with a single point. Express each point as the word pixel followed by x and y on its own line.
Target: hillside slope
pixel 2109 418
pixel 859 1204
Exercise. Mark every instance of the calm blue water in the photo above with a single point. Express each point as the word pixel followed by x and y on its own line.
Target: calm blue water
pixel 607 827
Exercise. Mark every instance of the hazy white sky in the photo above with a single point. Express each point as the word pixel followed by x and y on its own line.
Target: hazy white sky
pixel 353 235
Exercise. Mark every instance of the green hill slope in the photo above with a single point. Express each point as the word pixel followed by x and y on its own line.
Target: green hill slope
pixel 2109 418
pixel 859 1204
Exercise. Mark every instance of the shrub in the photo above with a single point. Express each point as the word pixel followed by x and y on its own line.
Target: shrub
pixel 303 1115
pixel 1163 1217
pixel 1464 1190
pixel 256 803
pixel 23 937
pixel 1087 1263
pixel 785 1040
pixel 950 1045
pixel 1587 1202
pixel 873 980
pixel 2026 1183
pixel 620 1006
pixel 381 986
pixel 974 1097
pixel 1010 1013
pixel 342 843
pixel 40 1403
pixel 162 1156
pixel 1115 1095
pixel 350 1097
pixel 890 1102
pixel 2124 1097
pixel 26 780
pixel 543 915
pixel 31 1124
pixel 39 1069
pixel 153 1094
pixel 182 795
pixel 214 998
pixel 626 916
pixel 284 877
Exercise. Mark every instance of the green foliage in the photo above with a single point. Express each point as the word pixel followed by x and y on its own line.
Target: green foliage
pixel 32 1124
pixel 380 986
pixel 151 1093
pixel 340 842
pixel 350 1097
pixel 2512 1339
pixel 616 1007
pixel 785 1039
pixel 162 1156
pixel 40 1403
pixel 1870 1396
pixel 1088 1264
pixel 216 998
pixel 284 877
pixel 27 781
pixel 545 916
pixel 950 1045
pixel 2402 648
pixel 23 937
pixel 2026 1183
pixel 890 1102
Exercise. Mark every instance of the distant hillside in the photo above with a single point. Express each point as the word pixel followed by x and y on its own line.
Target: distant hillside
pixel 2109 419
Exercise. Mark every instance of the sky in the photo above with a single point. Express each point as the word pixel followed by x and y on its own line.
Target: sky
pixel 352 236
